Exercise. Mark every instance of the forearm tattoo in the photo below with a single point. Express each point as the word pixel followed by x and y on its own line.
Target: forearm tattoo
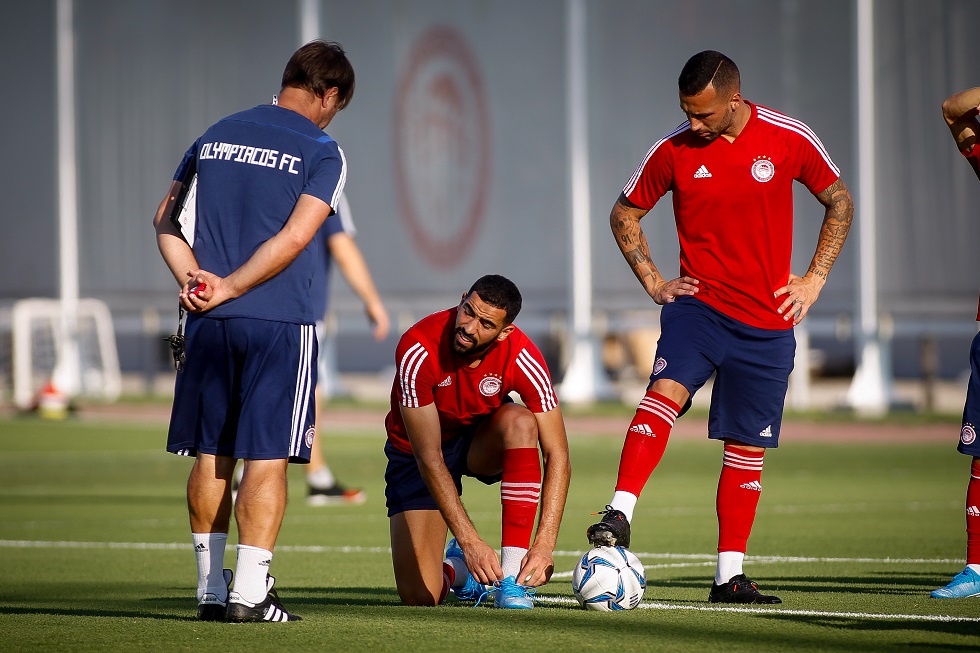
pixel 633 244
pixel 833 232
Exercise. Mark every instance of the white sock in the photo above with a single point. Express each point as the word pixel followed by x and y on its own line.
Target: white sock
pixel 625 503
pixel 729 565
pixel 210 551
pixel 510 560
pixel 461 572
pixel 975 568
pixel 321 478
pixel 253 567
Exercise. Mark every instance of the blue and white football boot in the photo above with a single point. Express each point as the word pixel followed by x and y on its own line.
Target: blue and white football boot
pixel 964 584
pixel 473 590
pixel 509 595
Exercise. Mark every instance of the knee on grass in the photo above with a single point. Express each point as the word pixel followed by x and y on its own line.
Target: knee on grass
pixel 419 597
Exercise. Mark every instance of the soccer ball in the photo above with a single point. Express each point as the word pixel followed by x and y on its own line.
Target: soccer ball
pixel 609 578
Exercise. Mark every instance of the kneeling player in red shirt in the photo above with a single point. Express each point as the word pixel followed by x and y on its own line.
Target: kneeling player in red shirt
pixel 451 416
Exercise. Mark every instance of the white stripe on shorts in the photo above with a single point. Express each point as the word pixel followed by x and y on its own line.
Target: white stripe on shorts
pixel 304 379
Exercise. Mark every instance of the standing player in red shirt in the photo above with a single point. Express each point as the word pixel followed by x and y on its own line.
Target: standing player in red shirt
pixel 731 168
pixel 451 416
pixel 960 111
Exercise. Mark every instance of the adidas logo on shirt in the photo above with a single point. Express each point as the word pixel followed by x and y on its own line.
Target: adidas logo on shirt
pixel 642 429
pixel 702 173
pixel 973 511
pixel 446 382
pixel 752 485
pixel 766 432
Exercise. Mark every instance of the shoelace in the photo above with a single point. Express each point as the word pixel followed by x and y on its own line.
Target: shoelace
pixel 482 596
pixel 514 589
pixel 965 575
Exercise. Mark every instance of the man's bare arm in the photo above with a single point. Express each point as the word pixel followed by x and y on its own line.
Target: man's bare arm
pixel 624 220
pixel 960 113
pixel 354 268
pixel 177 254
pixel 425 434
pixel 838 214
pixel 802 292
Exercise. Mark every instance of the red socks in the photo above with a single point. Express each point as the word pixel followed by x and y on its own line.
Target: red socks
pixel 973 515
pixel 448 577
pixel 646 441
pixel 520 490
pixel 739 489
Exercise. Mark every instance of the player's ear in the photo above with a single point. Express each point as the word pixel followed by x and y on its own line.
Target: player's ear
pixel 735 101
pixel 506 331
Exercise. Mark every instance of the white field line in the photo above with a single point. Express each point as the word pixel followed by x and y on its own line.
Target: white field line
pixel 776 559
pixel 44 544
pixel 564 600
pixel 697 560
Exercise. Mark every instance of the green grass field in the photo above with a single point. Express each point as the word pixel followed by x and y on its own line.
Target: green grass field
pixel 96 553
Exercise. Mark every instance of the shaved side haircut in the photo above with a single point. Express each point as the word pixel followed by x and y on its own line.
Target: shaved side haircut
pixel 709 67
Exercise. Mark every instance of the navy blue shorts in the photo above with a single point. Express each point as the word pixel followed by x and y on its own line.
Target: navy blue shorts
pixel 406 490
pixel 247 390
pixel 751 368
pixel 971 409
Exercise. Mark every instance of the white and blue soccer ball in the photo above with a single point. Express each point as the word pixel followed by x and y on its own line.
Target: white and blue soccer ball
pixel 609 578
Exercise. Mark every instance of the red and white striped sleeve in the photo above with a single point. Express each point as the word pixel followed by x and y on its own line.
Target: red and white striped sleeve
pixel 817 171
pixel 653 177
pixel 533 381
pixel 413 372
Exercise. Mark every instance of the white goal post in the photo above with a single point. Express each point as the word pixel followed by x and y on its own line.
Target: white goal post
pixel 38 345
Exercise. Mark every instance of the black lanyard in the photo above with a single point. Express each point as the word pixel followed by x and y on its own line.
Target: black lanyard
pixel 176 341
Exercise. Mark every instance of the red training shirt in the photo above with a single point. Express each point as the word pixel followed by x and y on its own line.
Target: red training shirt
pixel 428 370
pixel 733 205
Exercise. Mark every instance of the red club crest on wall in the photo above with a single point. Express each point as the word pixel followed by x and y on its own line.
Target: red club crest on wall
pixel 442 146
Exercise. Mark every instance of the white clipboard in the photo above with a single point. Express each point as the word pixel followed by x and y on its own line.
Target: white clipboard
pixel 184 215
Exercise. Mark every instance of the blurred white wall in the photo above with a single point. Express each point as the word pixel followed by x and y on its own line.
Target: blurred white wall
pixel 456 135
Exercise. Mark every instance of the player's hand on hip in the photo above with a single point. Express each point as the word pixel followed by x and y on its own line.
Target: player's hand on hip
pixel 801 293
pixel 536 567
pixel 668 291
pixel 483 563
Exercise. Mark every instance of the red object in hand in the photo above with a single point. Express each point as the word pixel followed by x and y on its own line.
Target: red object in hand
pixel 199 289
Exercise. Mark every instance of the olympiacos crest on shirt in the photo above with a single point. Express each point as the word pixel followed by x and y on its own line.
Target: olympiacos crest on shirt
pixel 763 169
pixel 968 434
pixel 490 385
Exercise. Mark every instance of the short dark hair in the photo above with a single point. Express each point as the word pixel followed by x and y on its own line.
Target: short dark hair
pixel 500 292
pixel 319 66
pixel 708 67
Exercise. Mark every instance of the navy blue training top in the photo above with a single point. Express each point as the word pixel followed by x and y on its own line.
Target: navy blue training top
pixel 252 167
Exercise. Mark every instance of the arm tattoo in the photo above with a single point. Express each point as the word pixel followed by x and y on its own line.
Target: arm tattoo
pixel 625 223
pixel 637 257
pixel 833 232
